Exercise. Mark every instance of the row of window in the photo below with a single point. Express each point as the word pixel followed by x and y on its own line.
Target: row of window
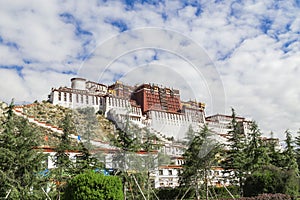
pixel 170 116
pixel 80 98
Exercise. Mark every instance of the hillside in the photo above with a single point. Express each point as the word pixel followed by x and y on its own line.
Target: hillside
pixel 53 115
pixel 48 118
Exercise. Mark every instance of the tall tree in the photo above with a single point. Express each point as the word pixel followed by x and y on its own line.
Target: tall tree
pixel 290 158
pixel 64 166
pixel 20 161
pixel 257 151
pixel 127 141
pixel 199 157
pixel 234 162
pixel 290 163
pixel 151 159
pixel 276 157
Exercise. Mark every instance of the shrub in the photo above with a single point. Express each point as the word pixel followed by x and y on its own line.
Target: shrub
pixel 271 179
pixel 91 185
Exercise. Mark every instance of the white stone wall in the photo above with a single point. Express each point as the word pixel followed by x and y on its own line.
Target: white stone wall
pixel 74 100
pixel 172 124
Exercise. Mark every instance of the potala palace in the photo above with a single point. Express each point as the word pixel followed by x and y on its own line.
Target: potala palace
pixel 157 107
pixel 148 105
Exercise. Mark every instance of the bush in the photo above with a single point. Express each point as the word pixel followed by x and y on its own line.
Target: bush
pixel 271 179
pixel 91 185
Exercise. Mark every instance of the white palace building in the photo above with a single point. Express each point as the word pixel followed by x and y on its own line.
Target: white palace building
pixel 147 105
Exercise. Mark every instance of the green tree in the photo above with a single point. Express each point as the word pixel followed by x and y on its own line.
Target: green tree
pixel 127 141
pixel 65 168
pixel 21 162
pixel 257 151
pixel 276 157
pixel 199 157
pixel 151 159
pixel 85 160
pixel 271 179
pixel 91 185
pixel 235 157
pixel 290 165
pixel 265 180
pixel 290 162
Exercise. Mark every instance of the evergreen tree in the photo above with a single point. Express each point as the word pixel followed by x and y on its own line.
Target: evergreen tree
pixel 199 157
pixel 290 158
pixel 276 157
pixel 235 156
pixel 127 141
pixel 21 162
pixel 290 163
pixel 64 166
pixel 257 151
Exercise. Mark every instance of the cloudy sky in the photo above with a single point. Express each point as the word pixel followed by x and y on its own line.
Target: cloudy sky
pixel 241 54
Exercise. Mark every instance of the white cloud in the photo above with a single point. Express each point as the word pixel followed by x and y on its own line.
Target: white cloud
pixel 255 46
pixel 11 85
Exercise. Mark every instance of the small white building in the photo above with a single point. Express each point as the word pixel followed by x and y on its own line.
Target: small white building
pixel 167 176
pixel 82 93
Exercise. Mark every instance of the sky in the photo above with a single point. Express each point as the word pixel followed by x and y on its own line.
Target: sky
pixel 225 53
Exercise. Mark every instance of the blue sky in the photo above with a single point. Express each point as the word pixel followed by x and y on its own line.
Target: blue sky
pixel 252 46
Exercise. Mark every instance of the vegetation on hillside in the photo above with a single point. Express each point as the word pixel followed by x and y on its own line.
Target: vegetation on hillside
pixel 54 115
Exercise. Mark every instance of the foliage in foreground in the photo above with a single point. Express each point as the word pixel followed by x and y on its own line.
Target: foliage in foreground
pixel 91 185
pixel 271 179
pixel 20 162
